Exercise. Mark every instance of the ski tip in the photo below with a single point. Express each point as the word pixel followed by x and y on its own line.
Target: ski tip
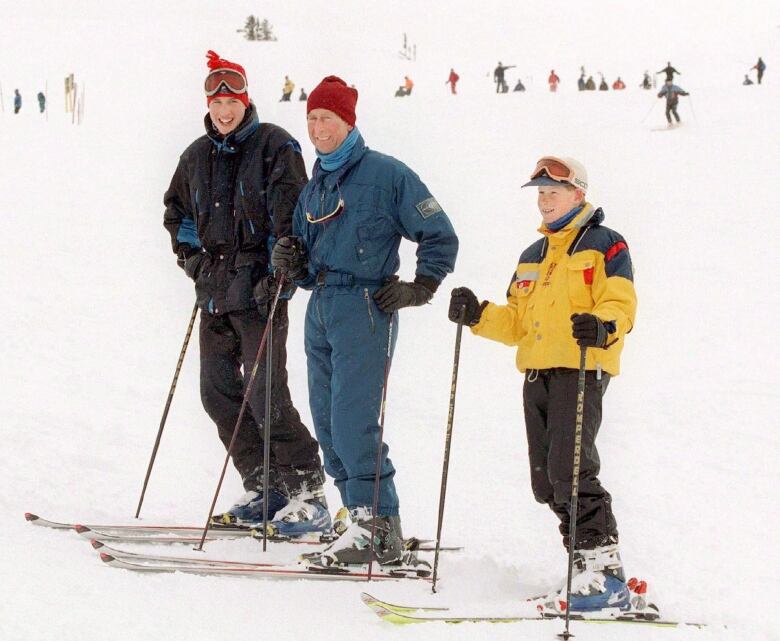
pixel 81 529
pixel 29 516
pixel 106 558
pixel 366 598
pixel 96 544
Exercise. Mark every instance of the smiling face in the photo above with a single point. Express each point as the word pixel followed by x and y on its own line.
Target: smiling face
pixel 555 202
pixel 326 130
pixel 226 114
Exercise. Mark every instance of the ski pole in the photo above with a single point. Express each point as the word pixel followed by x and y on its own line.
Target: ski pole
pixel 649 112
pixel 241 412
pixel 575 484
pixel 267 427
pixel 693 113
pixel 378 469
pixel 167 407
pixel 447 443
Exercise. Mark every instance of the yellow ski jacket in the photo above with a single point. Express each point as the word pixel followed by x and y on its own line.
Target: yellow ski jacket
pixel 582 268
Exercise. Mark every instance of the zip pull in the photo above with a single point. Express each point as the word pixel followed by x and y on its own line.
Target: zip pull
pixel 598 371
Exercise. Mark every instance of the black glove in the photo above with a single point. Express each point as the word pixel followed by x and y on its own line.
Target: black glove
pixel 590 330
pixel 265 290
pixel 192 263
pixel 398 293
pixel 463 297
pixel 289 255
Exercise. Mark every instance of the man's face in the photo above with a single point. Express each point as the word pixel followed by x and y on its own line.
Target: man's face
pixel 555 202
pixel 326 130
pixel 226 114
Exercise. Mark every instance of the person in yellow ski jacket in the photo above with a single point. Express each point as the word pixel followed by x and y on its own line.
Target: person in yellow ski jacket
pixel 572 288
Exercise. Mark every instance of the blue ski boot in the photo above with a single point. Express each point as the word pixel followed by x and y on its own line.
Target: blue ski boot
pixel 598 584
pixel 306 513
pixel 247 511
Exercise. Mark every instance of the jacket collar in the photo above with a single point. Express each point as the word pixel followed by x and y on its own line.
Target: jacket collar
pixel 229 144
pixel 329 179
pixel 588 216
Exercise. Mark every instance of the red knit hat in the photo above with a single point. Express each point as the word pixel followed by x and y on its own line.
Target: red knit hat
pixel 334 95
pixel 215 63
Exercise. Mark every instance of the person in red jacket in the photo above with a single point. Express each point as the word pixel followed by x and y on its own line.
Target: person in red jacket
pixel 618 84
pixel 452 80
pixel 553 81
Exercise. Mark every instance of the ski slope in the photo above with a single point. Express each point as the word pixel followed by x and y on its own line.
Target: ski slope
pixel 96 309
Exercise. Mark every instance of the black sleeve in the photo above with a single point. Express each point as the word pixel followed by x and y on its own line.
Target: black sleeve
pixel 178 218
pixel 287 178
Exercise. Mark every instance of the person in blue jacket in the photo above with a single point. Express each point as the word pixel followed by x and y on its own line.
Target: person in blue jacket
pixel 17 101
pixel 672 93
pixel 347 228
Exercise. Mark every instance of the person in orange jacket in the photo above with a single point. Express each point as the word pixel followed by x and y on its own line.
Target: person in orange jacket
pixel 452 80
pixel 553 81
pixel 618 84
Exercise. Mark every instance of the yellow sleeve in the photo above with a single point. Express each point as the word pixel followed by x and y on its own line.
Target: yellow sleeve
pixel 504 323
pixel 614 299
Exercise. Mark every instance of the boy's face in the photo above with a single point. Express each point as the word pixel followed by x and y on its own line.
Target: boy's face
pixel 555 202
pixel 226 114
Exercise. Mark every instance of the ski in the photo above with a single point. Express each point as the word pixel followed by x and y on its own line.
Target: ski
pixel 147 557
pixel 380 573
pixel 400 614
pixel 192 535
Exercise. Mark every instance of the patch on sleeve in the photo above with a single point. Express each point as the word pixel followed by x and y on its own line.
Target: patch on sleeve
pixel 428 207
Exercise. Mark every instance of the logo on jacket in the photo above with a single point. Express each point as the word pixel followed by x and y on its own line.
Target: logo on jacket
pixel 428 207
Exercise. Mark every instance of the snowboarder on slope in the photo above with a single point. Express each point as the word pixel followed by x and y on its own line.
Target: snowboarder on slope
pixel 349 263
pixel 232 194
pixel 572 288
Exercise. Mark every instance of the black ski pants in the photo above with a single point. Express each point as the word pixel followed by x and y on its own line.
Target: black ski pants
pixel 671 108
pixel 550 406
pixel 228 348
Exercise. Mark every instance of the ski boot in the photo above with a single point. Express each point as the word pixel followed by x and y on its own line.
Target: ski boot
pixel 247 511
pixel 353 547
pixel 306 513
pixel 598 585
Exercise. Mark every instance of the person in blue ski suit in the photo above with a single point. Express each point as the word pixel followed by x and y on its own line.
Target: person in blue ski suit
pixel 672 93
pixel 347 227
pixel 17 101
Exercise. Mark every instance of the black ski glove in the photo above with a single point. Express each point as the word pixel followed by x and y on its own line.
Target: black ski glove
pixel 463 297
pixel 590 330
pixel 398 293
pixel 192 262
pixel 265 292
pixel 289 255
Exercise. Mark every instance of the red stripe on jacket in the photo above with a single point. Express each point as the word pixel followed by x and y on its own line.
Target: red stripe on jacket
pixel 614 250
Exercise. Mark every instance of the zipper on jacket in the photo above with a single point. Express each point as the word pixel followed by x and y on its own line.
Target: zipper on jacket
pixel 370 313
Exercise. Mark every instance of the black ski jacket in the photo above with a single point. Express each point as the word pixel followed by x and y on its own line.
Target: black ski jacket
pixel 230 198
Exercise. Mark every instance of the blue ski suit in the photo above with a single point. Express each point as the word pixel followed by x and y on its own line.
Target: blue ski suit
pixel 346 335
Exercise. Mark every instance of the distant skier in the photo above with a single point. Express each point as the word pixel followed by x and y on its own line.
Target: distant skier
pixel 519 86
pixel 498 77
pixel 672 94
pixel 287 90
pixel 618 84
pixel 573 288
pixel 590 85
pixel 669 71
pixel 760 67
pixel 747 80
pixel 41 101
pixel 581 81
pixel 406 88
pixel 452 81
pixel 603 86
pixel 553 81
pixel 647 82
pixel 17 101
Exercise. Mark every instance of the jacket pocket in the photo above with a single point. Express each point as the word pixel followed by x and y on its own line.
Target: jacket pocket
pixel 580 283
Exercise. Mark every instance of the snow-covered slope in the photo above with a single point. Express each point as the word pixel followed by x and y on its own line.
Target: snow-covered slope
pixel 95 308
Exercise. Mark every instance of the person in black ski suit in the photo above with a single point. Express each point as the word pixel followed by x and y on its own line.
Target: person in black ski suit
pixel 672 93
pixel 498 77
pixel 233 193
pixel 760 66
pixel 669 71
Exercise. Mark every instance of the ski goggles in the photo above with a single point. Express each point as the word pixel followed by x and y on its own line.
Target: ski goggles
pixel 225 81
pixel 554 168
pixel 326 217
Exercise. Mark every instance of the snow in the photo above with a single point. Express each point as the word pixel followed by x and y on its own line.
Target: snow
pixel 95 308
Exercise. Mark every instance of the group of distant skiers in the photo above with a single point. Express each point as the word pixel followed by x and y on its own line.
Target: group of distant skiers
pixel 18 101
